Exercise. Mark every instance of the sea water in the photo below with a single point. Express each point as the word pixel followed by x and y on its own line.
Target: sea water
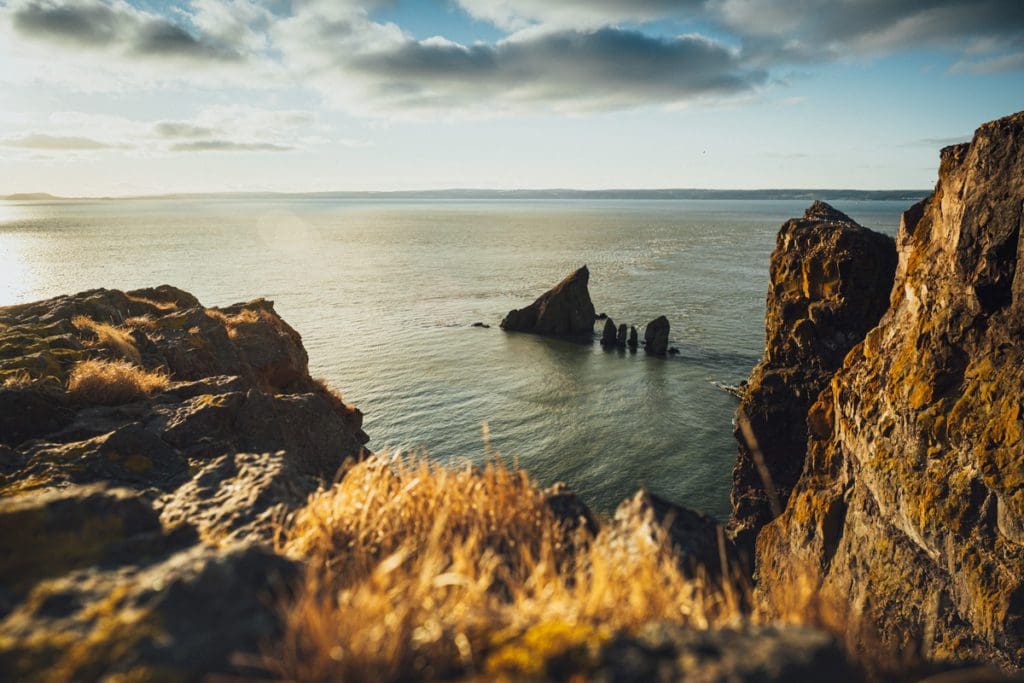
pixel 385 292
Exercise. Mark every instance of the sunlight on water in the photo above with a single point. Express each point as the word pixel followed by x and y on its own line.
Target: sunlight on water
pixel 384 294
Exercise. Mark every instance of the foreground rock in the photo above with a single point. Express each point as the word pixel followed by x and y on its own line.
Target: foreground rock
pixel 830 280
pixel 564 310
pixel 134 529
pixel 911 505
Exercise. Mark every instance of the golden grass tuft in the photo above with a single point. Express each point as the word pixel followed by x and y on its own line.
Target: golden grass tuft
pixel 160 305
pixel 109 337
pixel 19 380
pixel 232 323
pixel 418 571
pixel 112 382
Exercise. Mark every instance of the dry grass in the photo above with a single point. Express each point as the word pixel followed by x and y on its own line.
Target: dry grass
pixel 160 305
pixel 109 337
pixel 418 571
pixel 140 322
pixel 233 322
pixel 19 380
pixel 113 382
pixel 333 396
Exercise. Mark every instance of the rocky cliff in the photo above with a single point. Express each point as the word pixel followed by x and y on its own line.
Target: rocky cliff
pixel 911 507
pixel 147 445
pixel 830 283
pixel 565 310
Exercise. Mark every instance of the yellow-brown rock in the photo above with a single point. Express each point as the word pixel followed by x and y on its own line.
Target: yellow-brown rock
pixel 910 510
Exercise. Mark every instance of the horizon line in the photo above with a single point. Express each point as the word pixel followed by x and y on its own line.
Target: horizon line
pixel 484 193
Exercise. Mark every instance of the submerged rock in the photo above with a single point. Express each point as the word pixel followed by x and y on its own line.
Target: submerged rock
pixel 608 335
pixel 656 336
pixel 911 501
pixel 632 338
pixel 564 310
pixel 830 280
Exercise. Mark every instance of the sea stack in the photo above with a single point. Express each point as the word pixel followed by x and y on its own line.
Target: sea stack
pixel 656 336
pixel 620 338
pixel 830 280
pixel 564 310
pixel 911 504
pixel 632 338
pixel 608 335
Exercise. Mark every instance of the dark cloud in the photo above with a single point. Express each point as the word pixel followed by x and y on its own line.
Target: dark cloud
pixel 40 141
pixel 227 146
pixel 91 23
pixel 606 68
pixel 182 129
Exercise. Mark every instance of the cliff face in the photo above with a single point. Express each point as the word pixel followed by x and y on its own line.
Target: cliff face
pixel 911 506
pixel 830 283
pixel 147 445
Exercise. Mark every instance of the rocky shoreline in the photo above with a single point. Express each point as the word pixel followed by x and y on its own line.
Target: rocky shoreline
pixel 151 448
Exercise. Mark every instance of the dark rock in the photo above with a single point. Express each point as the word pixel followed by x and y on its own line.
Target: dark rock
pixel 754 654
pixel 601 316
pixel 608 335
pixel 480 324
pixel 829 284
pixel 568 508
pixel 564 310
pixel 632 338
pixel 30 413
pixel 908 501
pixel 673 351
pixel 656 336
pixel 620 338
pixel 699 541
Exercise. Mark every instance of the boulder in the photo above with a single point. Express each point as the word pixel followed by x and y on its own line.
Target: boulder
pixel 620 337
pixel 656 336
pixel 910 504
pixel 564 310
pixel 608 335
pixel 830 280
pixel 632 338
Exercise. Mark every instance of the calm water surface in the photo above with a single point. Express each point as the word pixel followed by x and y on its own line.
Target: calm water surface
pixel 384 294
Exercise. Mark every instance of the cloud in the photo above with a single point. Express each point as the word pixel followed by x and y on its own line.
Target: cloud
pixel 227 146
pixel 568 70
pixel 116 26
pixel 40 141
pixel 517 14
pixel 181 129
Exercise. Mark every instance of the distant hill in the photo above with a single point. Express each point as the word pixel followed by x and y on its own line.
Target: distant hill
pixel 484 194
pixel 29 197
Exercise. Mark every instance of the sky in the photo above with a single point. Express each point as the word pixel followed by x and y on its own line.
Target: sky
pixel 119 97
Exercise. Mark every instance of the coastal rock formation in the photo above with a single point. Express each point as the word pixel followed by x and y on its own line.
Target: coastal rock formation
pixel 632 338
pixel 911 505
pixel 620 338
pixel 608 335
pixel 147 446
pixel 830 280
pixel 564 310
pixel 656 336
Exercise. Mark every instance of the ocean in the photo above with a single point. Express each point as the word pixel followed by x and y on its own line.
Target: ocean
pixel 384 293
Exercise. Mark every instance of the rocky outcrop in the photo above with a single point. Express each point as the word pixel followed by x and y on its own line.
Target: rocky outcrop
pixel 632 338
pixel 134 532
pixel 830 280
pixel 564 310
pixel 656 336
pixel 608 334
pixel 911 504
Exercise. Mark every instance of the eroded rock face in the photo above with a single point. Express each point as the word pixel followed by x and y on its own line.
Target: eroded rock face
pixel 134 538
pixel 911 503
pixel 830 280
pixel 565 310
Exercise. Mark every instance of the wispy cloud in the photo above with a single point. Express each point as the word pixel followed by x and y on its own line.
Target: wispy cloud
pixel 41 141
pixel 227 146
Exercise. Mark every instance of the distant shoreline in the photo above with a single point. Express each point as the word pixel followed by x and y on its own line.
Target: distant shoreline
pixel 663 194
